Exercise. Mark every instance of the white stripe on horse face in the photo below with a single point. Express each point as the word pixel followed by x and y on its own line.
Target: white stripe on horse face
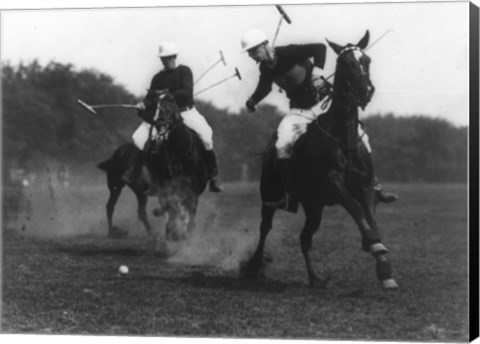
pixel 357 53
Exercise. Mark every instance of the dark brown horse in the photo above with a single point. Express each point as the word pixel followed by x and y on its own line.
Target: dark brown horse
pixel 176 163
pixel 332 166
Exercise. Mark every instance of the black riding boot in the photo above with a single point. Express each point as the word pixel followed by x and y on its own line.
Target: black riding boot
pixel 383 196
pixel 215 182
pixel 288 202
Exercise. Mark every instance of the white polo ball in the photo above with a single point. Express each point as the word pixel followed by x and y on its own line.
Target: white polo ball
pixel 123 270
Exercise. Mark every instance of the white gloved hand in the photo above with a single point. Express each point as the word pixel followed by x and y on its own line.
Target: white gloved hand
pixel 141 106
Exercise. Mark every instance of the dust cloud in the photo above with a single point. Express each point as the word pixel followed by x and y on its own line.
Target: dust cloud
pixel 49 208
pixel 212 245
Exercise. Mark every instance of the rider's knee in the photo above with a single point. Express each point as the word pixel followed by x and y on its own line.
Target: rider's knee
pixel 284 151
pixel 208 145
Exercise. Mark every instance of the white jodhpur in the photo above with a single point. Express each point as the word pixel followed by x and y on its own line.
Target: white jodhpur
pixel 142 134
pixel 195 121
pixel 192 119
pixel 294 124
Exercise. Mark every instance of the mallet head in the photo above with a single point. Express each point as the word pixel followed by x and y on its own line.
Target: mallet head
pixel 237 73
pixel 223 58
pixel 87 107
pixel 284 15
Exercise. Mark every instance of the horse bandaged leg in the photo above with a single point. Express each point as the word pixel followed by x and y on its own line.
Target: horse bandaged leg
pixel 195 121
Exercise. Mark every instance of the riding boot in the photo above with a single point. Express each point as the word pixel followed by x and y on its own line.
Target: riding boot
pixel 215 183
pixel 383 196
pixel 288 202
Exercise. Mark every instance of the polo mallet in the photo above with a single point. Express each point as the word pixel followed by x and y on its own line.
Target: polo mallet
pixel 283 16
pixel 379 38
pixel 371 45
pixel 91 108
pixel 237 74
pixel 222 59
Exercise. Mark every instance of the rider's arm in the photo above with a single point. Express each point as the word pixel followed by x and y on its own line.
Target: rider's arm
pixel 149 100
pixel 264 87
pixel 317 51
pixel 186 82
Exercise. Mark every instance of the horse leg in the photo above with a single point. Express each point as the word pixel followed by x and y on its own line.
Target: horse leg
pixel 191 206
pixel 115 192
pixel 312 223
pixel 383 266
pixel 142 200
pixel 253 266
pixel 371 241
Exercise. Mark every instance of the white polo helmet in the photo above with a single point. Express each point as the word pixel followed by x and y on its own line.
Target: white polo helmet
pixel 167 49
pixel 252 38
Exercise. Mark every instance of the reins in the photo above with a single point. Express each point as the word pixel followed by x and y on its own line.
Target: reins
pixel 172 128
pixel 348 94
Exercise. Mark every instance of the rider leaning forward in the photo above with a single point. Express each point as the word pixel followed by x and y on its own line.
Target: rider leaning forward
pixel 291 69
pixel 178 80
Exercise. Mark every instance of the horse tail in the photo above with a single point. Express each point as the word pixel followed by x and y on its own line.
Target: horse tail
pixel 105 165
pixel 119 158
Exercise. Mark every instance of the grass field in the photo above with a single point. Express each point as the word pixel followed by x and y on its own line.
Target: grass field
pixel 60 271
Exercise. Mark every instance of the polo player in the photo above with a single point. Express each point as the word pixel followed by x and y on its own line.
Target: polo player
pixel 178 80
pixel 291 69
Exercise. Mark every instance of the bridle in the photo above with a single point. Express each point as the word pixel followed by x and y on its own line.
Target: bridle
pixel 348 92
pixel 351 83
pixel 165 122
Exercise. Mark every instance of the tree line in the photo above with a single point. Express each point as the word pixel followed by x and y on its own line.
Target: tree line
pixel 43 123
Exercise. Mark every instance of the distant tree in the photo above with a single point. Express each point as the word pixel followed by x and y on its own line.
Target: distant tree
pixel 42 122
pixel 418 148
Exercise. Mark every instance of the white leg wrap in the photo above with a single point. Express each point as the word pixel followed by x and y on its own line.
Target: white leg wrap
pixel 389 284
pixel 378 248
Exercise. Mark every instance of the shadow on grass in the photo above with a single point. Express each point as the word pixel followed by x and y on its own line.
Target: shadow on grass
pixel 110 251
pixel 234 283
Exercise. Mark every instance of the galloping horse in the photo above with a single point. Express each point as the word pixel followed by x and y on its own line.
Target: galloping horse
pixel 175 160
pixel 331 166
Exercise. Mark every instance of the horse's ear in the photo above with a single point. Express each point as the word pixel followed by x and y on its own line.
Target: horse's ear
pixel 363 43
pixel 336 48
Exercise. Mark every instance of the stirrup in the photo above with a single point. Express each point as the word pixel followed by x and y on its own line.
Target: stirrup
pixel 280 204
pixel 216 185
pixel 287 203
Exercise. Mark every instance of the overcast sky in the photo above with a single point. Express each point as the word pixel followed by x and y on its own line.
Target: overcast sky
pixel 419 67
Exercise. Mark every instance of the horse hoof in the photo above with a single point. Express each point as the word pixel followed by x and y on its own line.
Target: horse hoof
pixel 389 284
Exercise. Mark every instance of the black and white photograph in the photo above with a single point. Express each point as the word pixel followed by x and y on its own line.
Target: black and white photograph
pixel 237 171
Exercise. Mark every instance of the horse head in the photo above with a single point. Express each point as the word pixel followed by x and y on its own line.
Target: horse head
pixel 352 75
pixel 167 115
